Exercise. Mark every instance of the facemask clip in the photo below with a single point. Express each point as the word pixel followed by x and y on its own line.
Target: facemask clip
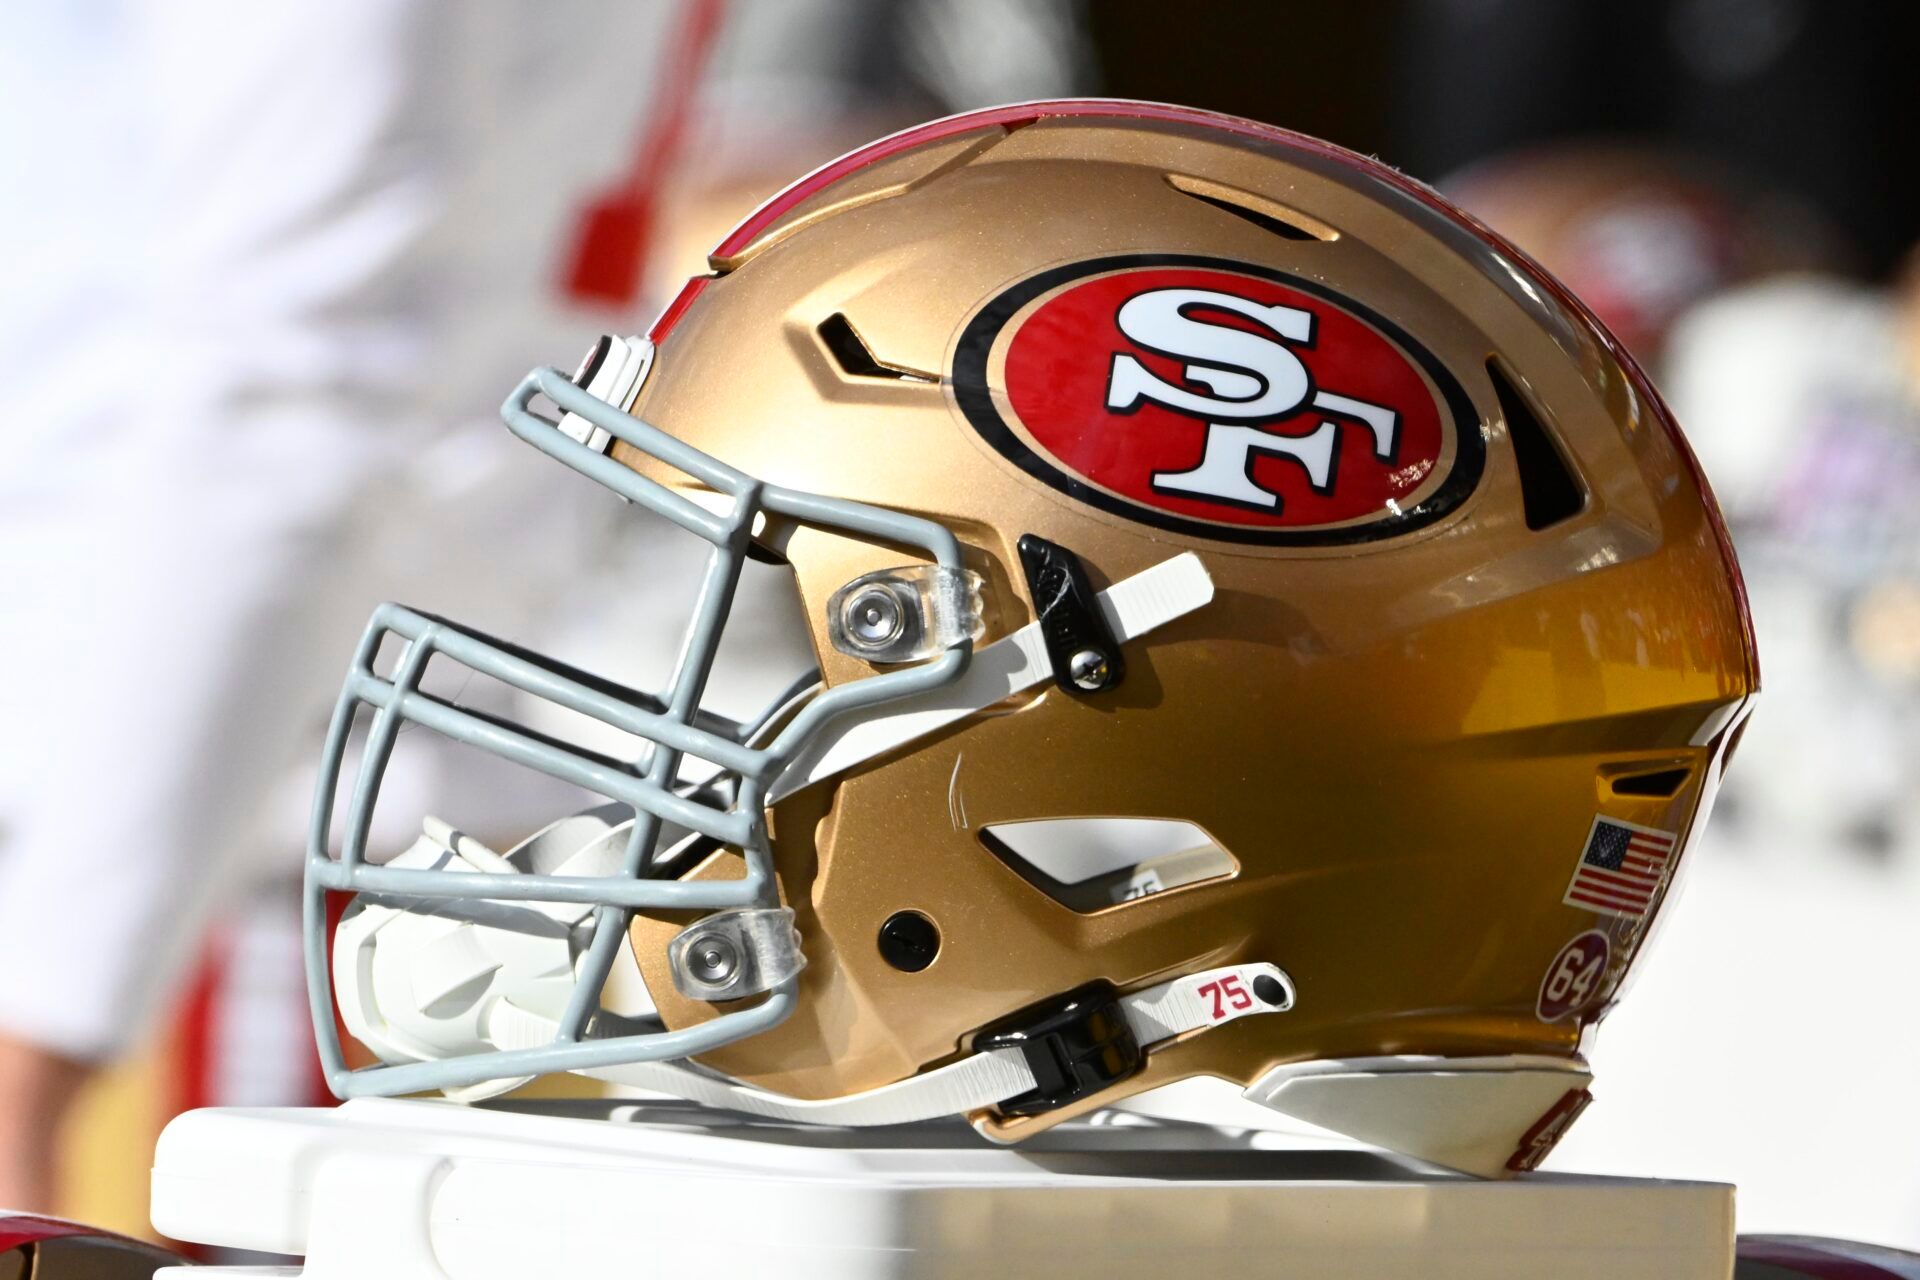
pixel 905 614
pixel 733 954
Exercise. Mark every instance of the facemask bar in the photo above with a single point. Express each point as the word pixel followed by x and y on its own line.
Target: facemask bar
pixel 672 723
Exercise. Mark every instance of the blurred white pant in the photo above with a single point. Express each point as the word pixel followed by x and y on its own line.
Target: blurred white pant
pixel 268 270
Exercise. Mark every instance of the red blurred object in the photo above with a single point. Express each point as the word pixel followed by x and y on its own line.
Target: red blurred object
pixel 27 1228
pixel 55 1249
pixel 193 1057
pixel 610 250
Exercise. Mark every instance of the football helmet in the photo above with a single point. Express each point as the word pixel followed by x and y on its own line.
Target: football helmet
pixel 1266 629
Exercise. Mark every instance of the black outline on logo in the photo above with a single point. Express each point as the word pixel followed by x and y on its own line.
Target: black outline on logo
pixel 976 402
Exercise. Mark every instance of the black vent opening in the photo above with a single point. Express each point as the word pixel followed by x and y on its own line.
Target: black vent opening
pixel 853 355
pixel 1265 221
pixel 1660 784
pixel 1549 490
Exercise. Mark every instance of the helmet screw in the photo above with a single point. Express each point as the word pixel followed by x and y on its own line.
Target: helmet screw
pixel 1089 669
pixel 713 960
pixel 874 618
pixel 1268 988
pixel 909 941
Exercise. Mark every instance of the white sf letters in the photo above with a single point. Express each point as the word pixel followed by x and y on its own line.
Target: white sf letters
pixel 1253 378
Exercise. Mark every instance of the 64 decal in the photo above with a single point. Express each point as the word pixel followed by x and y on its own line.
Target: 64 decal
pixel 1576 978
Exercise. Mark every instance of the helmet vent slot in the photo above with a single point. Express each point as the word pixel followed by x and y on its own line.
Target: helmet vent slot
pixel 1658 784
pixel 1092 864
pixel 1269 215
pixel 1549 490
pixel 855 358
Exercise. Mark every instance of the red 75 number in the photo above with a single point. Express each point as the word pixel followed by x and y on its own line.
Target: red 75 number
pixel 1227 992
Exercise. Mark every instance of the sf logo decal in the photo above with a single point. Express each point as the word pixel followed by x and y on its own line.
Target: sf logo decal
pixel 1218 399
pixel 1250 379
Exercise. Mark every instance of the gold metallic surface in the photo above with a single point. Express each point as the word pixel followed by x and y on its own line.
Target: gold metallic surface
pixel 1402 743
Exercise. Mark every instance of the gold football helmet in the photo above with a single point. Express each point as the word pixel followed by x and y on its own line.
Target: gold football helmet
pixel 1266 630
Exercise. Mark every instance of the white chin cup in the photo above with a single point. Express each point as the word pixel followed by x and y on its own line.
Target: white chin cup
pixel 420 986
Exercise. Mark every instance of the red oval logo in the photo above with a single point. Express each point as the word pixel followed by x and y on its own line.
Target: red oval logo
pixel 1218 399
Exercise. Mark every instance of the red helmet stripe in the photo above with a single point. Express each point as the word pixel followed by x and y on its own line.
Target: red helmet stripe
pixel 677 308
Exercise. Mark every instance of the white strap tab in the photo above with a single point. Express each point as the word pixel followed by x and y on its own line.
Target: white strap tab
pixel 977 1081
pixel 1132 607
pixel 1157 1014
pixel 1207 999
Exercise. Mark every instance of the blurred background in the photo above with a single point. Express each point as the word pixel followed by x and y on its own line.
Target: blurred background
pixel 269 268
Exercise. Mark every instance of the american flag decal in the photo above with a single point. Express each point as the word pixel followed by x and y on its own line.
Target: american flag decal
pixel 1621 869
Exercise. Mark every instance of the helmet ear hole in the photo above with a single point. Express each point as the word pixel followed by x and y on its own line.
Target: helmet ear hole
pixel 909 941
